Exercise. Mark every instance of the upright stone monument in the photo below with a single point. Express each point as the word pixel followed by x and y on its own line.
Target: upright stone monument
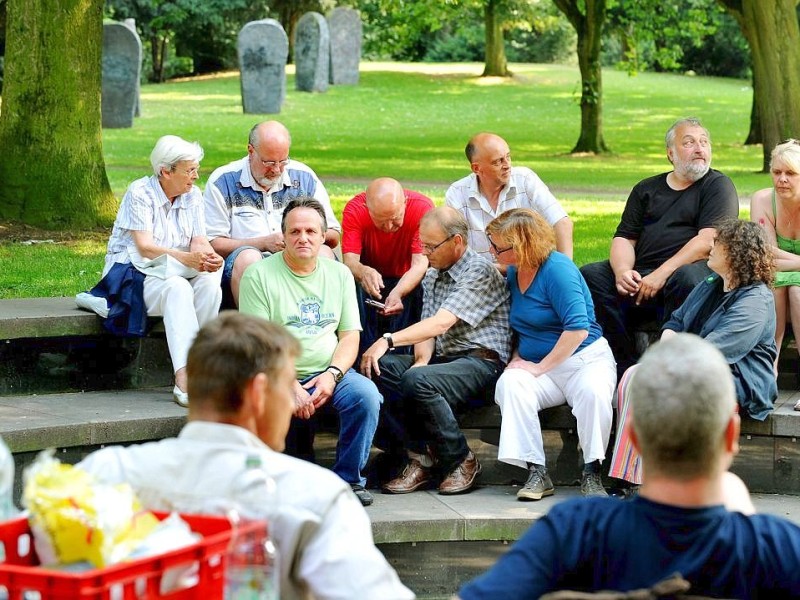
pixel 312 53
pixel 263 49
pixel 131 24
pixel 122 68
pixel 344 25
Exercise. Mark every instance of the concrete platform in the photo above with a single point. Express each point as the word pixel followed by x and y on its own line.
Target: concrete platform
pixel 435 569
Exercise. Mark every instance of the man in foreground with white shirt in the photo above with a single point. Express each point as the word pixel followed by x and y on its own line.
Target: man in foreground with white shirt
pixel 241 382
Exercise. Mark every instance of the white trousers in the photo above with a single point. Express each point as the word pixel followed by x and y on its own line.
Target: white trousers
pixel 585 381
pixel 186 305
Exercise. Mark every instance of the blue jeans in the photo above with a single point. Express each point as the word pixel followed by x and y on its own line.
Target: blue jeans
pixel 420 402
pixel 227 273
pixel 358 403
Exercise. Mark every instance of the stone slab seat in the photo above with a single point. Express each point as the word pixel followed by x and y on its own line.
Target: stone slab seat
pixel 50 317
pixel 50 345
pixel 769 458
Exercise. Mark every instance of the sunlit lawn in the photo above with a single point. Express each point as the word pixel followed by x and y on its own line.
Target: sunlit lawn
pixel 412 122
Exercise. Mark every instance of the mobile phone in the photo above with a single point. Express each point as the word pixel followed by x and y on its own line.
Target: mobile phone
pixel 375 303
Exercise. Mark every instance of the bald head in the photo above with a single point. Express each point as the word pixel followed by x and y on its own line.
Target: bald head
pixel 386 204
pixel 490 161
pixel 269 133
pixel 484 142
pixel 268 152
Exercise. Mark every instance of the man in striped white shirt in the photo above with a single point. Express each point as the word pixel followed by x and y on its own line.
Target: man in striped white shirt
pixel 494 187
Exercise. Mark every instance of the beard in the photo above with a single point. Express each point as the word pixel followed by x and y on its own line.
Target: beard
pixel 267 183
pixel 692 170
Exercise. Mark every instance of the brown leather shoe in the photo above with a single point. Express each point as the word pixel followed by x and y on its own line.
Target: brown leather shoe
pixel 414 476
pixel 462 478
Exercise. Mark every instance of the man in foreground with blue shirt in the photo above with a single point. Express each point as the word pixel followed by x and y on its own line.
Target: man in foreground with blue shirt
pixel 686 427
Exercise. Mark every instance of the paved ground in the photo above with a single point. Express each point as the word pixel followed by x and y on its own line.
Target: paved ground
pixel 497 503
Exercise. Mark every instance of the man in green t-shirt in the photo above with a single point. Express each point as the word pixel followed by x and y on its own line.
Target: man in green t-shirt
pixel 315 298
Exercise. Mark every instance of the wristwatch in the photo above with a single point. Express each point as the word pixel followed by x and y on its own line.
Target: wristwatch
pixel 337 373
pixel 389 340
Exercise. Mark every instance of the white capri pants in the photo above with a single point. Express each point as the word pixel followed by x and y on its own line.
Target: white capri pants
pixel 186 305
pixel 585 381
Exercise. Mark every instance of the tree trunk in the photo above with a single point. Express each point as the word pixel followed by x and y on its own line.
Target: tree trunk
pixel 495 58
pixel 754 135
pixel 51 163
pixel 772 31
pixel 589 27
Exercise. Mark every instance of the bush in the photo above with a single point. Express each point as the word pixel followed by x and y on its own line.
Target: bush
pixel 724 54
pixel 466 44
pixel 548 40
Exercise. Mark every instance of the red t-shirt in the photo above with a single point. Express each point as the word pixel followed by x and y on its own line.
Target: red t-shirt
pixel 387 253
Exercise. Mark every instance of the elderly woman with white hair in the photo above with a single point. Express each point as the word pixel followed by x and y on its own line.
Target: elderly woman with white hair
pixel 160 229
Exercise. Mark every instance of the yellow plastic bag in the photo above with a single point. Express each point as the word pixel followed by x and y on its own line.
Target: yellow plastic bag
pixel 74 518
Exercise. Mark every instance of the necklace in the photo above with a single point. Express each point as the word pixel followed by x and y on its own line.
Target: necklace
pixel 788 217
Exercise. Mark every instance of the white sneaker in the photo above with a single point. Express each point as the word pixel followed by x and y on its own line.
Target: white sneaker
pixel 93 303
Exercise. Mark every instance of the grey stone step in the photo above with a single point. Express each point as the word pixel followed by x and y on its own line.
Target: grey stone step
pixel 437 543
pixel 50 345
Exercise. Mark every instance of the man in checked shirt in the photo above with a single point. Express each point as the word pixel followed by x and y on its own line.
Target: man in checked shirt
pixel 460 348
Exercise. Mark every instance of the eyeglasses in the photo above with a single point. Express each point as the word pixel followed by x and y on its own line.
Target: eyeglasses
pixel 271 164
pixel 190 172
pixel 498 251
pixel 431 249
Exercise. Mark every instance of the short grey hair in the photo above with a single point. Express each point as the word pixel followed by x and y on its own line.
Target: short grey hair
pixel 669 139
pixel 449 220
pixel 682 398
pixel 170 150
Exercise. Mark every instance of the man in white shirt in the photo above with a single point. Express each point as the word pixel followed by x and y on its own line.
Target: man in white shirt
pixel 241 407
pixel 494 187
pixel 244 202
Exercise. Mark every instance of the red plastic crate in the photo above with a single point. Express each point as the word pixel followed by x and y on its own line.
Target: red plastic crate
pixel 133 580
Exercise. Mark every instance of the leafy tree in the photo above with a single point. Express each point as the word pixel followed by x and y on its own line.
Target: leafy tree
pixel 657 33
pixel 588 17
pixel 400 30
pixel 51 163
pixel 288 13
pixel 772 31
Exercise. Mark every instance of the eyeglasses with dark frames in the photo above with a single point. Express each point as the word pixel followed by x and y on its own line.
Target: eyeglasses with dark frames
pixel 431 249
pixel 498 251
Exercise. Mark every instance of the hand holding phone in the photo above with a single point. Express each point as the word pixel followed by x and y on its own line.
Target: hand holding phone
pixel 375 303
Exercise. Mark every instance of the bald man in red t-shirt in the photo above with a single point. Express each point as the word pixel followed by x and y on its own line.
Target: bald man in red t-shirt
pixel 381 246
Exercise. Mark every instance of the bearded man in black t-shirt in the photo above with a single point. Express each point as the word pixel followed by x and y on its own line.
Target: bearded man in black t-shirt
pixel 661 245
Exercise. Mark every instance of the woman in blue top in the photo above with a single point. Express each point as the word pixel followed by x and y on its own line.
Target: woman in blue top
pixel 560 354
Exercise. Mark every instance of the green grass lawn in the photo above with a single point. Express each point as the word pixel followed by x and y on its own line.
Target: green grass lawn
pixel 411 121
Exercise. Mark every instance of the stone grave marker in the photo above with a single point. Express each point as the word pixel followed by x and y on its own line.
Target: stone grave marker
pixel 263 49
pixel 312 53
pixel 122 68
pixel 131 24
pixel 344 25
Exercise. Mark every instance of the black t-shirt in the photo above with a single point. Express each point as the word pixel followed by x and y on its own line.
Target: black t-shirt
pixel 663 220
